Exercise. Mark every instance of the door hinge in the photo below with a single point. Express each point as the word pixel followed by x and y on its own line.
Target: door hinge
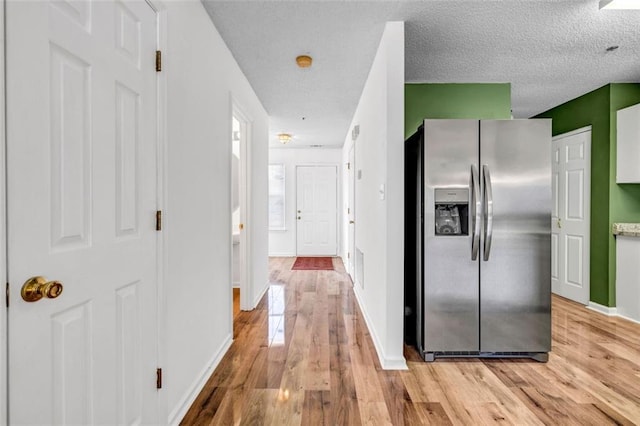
pixel 348 255
pixel 348 166
pixel 7 292
pixel 348 210
pixel 158 60
pixel 159 220
pixel 158 378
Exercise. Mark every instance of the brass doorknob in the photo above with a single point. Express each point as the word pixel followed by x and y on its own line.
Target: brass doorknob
pixel 36 288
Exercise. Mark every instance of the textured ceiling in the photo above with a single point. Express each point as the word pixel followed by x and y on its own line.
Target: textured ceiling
pixel 550 51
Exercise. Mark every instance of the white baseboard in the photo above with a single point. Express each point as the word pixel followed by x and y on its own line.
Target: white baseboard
pixel 610 312
pixel 385 362
pixel 394 364
pixel 185 403
pixel 260 295
pixel 284 254
pixel 628 318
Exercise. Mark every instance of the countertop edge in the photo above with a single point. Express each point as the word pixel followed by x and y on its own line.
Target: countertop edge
pixel 626 229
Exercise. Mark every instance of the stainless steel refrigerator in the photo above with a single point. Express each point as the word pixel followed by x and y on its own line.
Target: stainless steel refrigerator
pixel 479 209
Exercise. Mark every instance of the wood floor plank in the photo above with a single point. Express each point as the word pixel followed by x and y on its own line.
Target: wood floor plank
pixel 224 415
pixel 395 394
pixel 305 356
pixel 290 412
pixel 344 400
pixel 317 408
pixel 256 407
pixel 412 385
pixel 425 413
pixel 317 375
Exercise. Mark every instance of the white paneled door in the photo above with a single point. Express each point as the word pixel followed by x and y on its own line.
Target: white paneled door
pixel 81 146
pixel 571 168
pixel 316 212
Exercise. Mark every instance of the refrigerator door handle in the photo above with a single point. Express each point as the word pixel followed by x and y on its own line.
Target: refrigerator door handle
pixel 476 216
pixel 488 211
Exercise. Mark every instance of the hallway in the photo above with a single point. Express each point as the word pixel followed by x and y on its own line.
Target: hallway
pixel 304 356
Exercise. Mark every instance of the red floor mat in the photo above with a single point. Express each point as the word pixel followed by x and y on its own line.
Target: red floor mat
pixel 313 264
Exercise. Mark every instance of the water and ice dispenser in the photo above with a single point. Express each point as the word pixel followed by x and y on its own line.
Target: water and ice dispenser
pixel 451 211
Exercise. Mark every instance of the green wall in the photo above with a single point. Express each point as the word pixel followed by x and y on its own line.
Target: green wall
pixel 465 100
pixel 609 202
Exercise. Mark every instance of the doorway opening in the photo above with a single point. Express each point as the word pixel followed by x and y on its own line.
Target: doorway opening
pixel 570 221
pixel 235 213
pixel 351 213
pixel 240 136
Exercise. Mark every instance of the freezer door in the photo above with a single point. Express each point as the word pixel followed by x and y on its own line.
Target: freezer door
pixel 450 297
pixel 515 271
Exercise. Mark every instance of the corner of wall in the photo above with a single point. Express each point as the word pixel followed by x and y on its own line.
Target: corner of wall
pixel 624 200
pixel 379 196
pixel 393 348
pixel 386 362
pixel 259 294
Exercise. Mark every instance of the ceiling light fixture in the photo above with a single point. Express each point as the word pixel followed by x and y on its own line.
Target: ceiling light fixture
pixel 304 61
pixel 284 138
pixel 619 4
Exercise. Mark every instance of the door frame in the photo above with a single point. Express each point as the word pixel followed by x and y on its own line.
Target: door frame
pixel 4 341
pixel 351 194
pixel 162 167
pixel 586 266
pixel 295 207
pixel 246 136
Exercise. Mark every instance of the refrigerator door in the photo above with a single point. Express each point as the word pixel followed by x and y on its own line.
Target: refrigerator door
pixel 515 278
pixel 450 297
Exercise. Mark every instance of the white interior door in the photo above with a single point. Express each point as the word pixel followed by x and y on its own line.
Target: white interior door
pixel 351 212
pixel 316 210
pixel 81 172
pixel 571 168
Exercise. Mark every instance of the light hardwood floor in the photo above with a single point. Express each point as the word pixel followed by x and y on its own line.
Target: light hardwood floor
pixel 236 301
pixel 305 357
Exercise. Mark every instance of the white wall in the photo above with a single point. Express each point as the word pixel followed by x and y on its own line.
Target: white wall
pixel 380 223
pixel 283 243
pixel 202 78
